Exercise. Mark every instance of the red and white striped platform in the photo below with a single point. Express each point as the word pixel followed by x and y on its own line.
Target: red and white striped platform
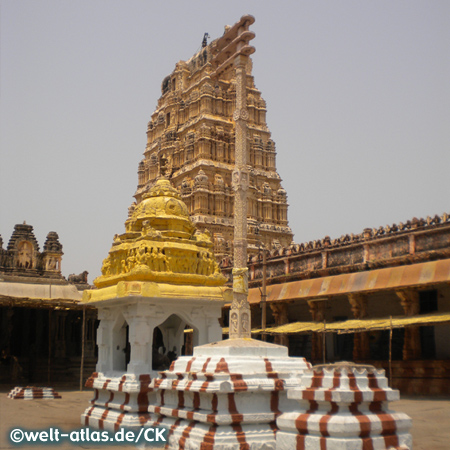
pixel 119 401
pixel 344 406
pixel 227 396
pixel 33 393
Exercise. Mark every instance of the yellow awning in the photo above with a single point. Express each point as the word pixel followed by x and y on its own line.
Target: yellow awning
pixel 354 326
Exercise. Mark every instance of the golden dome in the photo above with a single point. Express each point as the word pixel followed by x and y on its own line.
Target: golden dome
pixel 163 210
pixel 173 205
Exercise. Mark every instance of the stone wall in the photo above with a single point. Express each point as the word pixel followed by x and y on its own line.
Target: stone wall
pixel 417 240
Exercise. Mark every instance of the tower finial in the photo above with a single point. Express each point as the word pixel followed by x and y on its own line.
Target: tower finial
pixel 205 40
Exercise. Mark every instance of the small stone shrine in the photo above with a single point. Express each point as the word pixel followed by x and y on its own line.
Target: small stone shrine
pixel 344 406
pixel 159 279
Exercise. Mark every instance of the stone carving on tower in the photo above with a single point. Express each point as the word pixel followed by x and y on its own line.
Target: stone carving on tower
pixel 191 141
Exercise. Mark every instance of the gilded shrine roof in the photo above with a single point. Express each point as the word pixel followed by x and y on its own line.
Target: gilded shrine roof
pixel 160 246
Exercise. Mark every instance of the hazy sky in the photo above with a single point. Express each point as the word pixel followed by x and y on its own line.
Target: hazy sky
pixel 357 92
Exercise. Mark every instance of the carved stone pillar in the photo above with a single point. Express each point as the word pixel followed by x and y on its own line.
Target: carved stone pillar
pixel 367 236
pixel 412 244
pixel 140 332
pixel 317 310
pixel 410 304
pixel 324 259
pixel 361 349
pixel 240 322
pixel 189 344
pixel 280 314
pixel 104 340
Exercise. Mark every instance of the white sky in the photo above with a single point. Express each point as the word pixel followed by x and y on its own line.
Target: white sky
pixel 357 92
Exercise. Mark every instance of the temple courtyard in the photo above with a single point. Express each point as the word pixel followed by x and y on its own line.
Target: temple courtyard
pixel 430 416
pixel 161 294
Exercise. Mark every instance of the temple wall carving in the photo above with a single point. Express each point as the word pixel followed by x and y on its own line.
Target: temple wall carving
pixel 417 240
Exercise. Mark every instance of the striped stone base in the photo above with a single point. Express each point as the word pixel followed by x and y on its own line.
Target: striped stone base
pixel 299 442
pixel 227 396
pixel 33 393
pixel 196 435
pixel 119 401
pixel 343 406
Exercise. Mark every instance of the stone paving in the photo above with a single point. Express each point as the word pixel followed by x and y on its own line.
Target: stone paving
pixel 431 418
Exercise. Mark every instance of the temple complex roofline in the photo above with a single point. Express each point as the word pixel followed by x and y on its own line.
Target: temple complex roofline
pixel 417 240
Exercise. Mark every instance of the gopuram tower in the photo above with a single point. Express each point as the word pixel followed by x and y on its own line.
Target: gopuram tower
pixel 191 142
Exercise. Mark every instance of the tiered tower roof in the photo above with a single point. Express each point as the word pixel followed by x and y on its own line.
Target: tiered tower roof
pixel 191 142
pixel 161 253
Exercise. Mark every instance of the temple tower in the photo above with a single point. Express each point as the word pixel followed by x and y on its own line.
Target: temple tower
pixel 191 141
pixel 23 257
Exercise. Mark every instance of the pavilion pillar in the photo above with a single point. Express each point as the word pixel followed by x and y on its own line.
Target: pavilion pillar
pixel 60 333
pixel 91 317
pixel 25 335
pixel 140 340
pixel 361 349
pixel 104 331
pixel 410 304
pixel 40 336
pixel 280 314
pixel 189 344
pixel 6 329
pixel 317 310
